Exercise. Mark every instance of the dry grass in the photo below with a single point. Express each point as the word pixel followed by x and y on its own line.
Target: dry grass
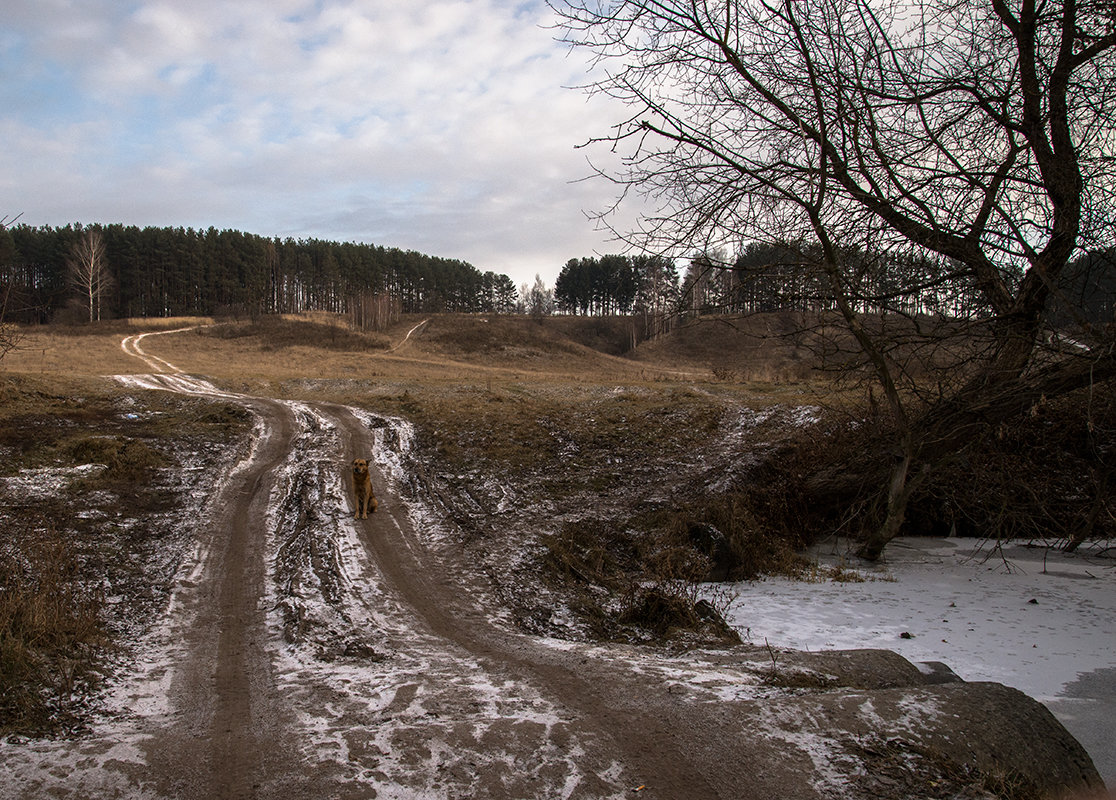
pixel 74 350
pixel 765 349
pixel 630 475
pixel 51 631
pixel 446 351
pixel 281 333
pixel 85 534
pixel 545 406
pixel 631 463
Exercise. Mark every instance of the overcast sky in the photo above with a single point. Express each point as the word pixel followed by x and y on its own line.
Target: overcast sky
pixel 442 127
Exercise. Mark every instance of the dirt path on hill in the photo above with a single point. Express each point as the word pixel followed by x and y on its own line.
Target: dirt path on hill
pixel 434 700
pixel 595 731
pixel 307 654
pixel 229 734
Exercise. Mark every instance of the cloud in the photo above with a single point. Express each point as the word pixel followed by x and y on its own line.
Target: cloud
pixel 437 126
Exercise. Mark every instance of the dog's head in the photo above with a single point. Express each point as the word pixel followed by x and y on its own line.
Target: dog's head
pixel 360 466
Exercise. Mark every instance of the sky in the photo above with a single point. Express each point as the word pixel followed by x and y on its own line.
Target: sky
pixel 449 128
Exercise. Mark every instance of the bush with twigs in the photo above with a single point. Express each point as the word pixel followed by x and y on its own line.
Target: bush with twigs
pixel 50 633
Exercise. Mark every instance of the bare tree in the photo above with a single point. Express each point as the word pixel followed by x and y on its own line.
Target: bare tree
pixel 538 300
pixel 9 333
pixel 89 272
pixel 975 132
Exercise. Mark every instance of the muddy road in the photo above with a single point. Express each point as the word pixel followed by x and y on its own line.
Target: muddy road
pixel 309 654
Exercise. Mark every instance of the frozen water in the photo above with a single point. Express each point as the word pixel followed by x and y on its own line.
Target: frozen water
pixel 1028 616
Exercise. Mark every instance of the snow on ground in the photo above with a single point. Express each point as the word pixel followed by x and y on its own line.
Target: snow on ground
pixel 1030 617
pixel 745 442
pixel 380 701
pixel 109 761
pixel 365 701
pixel 46 482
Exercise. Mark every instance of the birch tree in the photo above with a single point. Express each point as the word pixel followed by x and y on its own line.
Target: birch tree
pixel 89 272
pixel 9 333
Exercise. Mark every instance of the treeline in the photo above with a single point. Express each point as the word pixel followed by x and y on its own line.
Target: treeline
pixel 764 277
pixel 767 277
pixel 761 277
pixel 616 284
pixel 160 272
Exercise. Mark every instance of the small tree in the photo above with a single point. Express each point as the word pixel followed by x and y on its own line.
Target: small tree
pixel 9 333
pixel 89 273
pixel 538 300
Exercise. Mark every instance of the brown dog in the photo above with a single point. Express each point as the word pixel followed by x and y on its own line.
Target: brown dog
pixel 362 487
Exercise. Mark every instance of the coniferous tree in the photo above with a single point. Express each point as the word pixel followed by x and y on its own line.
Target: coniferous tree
pixel 175 271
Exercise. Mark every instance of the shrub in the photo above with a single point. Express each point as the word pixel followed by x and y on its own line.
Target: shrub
pixel 127 459
pixel 50 632
pixel 658 609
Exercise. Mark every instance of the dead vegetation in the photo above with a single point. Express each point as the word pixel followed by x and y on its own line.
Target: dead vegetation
pixel 52 633
pixel 643 489
pixel 628 497
pixel 94 488
pixel 520 337
pixel 1047 476
pixel 275 333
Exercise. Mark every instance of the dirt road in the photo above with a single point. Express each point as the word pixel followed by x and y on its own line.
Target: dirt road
pixel 306 654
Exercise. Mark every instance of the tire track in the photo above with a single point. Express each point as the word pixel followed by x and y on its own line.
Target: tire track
pixel 253 689
pixel 227 736
pixel 131 346
pixel 307 654
pixel 406 338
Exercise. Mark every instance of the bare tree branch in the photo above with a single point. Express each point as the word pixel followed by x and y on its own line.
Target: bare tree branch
pixel 975 132
pixel 10 335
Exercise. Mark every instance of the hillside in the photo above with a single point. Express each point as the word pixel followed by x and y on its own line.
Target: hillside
pixel 764 348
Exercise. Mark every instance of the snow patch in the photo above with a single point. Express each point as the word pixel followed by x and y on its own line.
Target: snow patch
pixel 960 602
pixel 46 482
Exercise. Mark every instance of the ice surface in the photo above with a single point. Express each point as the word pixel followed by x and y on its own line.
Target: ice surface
pixel 1025 615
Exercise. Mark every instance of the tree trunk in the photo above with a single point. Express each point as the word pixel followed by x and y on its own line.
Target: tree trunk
pixel 899 489
pixel 1085 530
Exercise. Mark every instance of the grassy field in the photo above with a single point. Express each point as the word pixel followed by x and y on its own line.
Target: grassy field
pixel 477 386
